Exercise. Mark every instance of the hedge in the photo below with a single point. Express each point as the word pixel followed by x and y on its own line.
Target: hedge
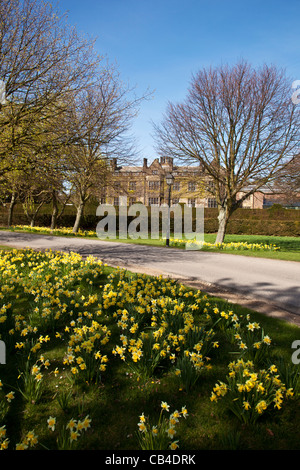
pixel 280 222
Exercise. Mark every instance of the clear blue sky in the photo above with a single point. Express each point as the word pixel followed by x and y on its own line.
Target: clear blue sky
pixel 159 44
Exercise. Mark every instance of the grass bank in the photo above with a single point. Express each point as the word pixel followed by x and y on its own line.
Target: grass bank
pixel 94 353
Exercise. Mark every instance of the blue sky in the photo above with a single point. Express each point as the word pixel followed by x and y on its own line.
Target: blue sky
pixel 159 44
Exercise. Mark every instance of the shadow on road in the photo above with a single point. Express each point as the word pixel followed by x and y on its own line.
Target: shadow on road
pixel 285 298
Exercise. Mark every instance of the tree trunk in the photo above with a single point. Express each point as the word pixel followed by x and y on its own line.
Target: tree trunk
pixel 223 218
pixel 11 208
pixel 79 214
pixel 54 210
pixel 32 216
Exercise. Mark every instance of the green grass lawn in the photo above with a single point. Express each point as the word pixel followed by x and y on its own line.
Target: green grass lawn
pixel 88 342
pixel 5 247
pixel 289 246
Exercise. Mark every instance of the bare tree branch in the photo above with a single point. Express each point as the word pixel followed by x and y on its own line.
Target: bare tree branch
pixel 42 60
pixel 239 123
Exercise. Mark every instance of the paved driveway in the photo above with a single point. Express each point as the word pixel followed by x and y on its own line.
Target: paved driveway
pixel 272 283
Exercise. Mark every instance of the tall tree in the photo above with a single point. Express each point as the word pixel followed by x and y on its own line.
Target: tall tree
pixel 240 123
pixel 42 60
pixel 98 122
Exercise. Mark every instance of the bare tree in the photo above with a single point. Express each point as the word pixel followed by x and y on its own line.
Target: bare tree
pixel 240 124
pixel 98 122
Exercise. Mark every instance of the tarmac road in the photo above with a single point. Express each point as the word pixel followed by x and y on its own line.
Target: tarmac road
pixel 262 284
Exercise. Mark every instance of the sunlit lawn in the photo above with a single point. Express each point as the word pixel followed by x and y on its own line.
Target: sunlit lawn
pixel 289 246
pixel 115 341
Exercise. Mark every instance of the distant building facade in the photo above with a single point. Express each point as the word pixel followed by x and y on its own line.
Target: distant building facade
pixel 192 186
pixel 147 184
pixel 266 197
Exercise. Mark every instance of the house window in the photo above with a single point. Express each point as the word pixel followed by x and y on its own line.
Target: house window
pixel 211 202
pixel 132 185
pixel 153 201
pixel 211 186
pixel 175 200
pixel 192 202
pixel 116 201
pixel 132 200
pixel 192 186
pixel 154 185
pixel 154 172
pixel 176 186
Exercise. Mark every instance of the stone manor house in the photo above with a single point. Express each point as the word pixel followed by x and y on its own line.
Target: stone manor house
pixel 147 184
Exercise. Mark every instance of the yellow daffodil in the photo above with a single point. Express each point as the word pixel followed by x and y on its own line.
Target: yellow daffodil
pixel 165 406
pixel 51 423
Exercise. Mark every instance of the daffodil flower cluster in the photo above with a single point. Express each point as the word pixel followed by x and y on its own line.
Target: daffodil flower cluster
pixel 63 231
pixel 29 441
pixel 84 349
pixel 156 318
pixel 232 246
pixel 161 435
pixel 4 441
pixel 249 392
pixel 53 283
pixel 5 400
pixel 48 297
pixel 68 435
pixel 248 335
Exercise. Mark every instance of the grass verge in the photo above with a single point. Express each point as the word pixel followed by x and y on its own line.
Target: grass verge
pixel 93 351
